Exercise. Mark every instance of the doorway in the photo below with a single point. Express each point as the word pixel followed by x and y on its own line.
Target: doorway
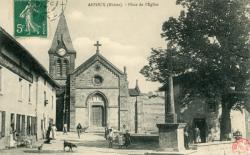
pixel 202 125
pixel 97 116
pixel 97 110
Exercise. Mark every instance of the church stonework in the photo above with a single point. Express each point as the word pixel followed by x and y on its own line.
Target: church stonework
pixel 61 63
pixel 61 53
pixel 94 94
pixel 98 95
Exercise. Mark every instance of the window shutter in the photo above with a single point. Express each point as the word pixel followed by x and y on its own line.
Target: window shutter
pixel 35 119
pixel 3 124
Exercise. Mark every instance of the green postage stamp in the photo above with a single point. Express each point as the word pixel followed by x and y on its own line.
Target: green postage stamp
pixel 30 18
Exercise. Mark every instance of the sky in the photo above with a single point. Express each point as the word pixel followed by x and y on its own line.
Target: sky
pixel 127 33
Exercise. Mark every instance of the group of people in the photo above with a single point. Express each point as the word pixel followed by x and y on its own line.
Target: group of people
pixel 50 133
pixel 122 137
pixel 197 138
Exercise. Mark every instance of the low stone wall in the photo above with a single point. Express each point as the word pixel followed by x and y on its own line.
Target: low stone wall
pixel 4 142
pixel 216 148
pixel 213 148
pixel 144 138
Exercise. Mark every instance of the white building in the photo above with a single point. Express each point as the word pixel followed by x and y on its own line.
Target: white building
pixel 27 92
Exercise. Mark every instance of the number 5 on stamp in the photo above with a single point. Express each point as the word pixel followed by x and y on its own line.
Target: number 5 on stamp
pixel 30 18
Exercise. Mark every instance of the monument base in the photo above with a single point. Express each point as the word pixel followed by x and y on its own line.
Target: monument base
pixel 171 118
pixel 171 136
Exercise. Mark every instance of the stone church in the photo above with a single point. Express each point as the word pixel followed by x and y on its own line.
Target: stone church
pixel 95 94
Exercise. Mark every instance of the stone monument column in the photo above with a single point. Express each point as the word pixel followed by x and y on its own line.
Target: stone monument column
pixel 170 115
pixel 171 133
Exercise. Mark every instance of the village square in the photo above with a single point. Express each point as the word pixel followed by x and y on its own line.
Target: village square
pixel 189 96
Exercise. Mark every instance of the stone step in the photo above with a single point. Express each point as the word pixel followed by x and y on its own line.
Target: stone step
pixel 95 130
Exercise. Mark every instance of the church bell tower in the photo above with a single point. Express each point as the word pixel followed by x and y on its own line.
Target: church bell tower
pixel 61 53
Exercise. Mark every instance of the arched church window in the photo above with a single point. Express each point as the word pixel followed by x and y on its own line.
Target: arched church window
pixel 58 68
pixel 65 67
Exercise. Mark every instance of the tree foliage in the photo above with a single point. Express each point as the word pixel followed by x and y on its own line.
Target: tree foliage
pixel 210 40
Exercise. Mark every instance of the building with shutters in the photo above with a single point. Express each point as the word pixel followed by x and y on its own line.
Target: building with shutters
pixel 27 92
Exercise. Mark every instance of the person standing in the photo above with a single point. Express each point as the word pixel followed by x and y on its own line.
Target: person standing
pixel 106 132
pixel 121 140
pixel 27 13
pixel 127 139
pixel 53 131
pixel 79 130
pixel 186 138
pixel 110 138
pixel 48 138
pixel 65 128
pixel 197 138
pixel 123 130
pixel 12 141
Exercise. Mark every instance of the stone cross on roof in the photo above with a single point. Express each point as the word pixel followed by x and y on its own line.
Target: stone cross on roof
pixel 97 46
pixel 62 4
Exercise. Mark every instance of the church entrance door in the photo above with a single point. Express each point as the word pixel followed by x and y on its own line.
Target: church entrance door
pixel 97 110
pixel 97 115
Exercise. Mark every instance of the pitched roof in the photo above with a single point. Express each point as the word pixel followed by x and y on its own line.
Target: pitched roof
pixel 62 35
pixel 24 53
pixel 134 92
pixel 102 60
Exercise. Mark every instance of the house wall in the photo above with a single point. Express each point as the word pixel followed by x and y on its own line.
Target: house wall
pixel 46 112
pixel 13 103
pixel 200 109
pixel 151 111
pixel 22 97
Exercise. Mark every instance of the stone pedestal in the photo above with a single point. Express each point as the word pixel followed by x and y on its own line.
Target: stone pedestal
pixel 171 136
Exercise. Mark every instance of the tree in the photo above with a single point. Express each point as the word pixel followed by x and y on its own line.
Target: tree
pixel 210 40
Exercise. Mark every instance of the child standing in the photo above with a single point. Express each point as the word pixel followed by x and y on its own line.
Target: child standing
pixel 110 138
pixel 127 139
pixel 121 140
pixel 79 130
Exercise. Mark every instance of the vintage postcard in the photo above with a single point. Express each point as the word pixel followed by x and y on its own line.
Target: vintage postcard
pixel 124 77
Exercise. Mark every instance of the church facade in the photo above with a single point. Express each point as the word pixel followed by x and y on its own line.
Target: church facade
pixel 95 94
pixel 98 95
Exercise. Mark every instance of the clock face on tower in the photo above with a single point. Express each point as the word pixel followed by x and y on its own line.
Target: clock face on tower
pixel 61 52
